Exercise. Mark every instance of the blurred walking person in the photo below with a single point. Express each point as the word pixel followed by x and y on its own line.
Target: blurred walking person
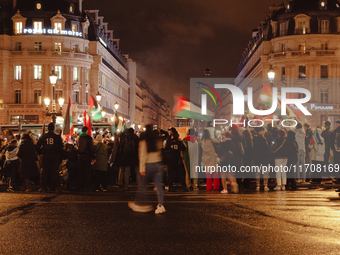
pixel 150 166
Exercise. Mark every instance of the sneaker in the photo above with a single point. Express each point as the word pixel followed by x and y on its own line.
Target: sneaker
pixel 140 208
pixel 160 209
pixel 224 191
pixel 277 188
pixel 234 188
pixel 266 189
pixel 283 188
pixel 257 189
pixel 10 189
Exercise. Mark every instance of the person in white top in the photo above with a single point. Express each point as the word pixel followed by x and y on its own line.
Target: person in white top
pixel 150 166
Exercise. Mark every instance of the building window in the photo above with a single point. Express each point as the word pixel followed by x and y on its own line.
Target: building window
pixel 283 73
pixel 58 94
pixel 59 72
pixel 57 47
pixel 283 47
pixel 302 72
pixel 302 47
pixel 37 72
pixel 104 80
pixel 58 27
pixel 324 95
pixel 324 71
pixel 74 28
pixel 324 46
pixel 324 26
pixel 37 96
pixel 71 9
pixel 76 98
pixel 75 48
pixel 17 72
pixel 76 73
pixel 37 26
pixel 18 46
pixel 302 27
pixel 87 75
pixel 17 93
pixel 283 29
pixel 38 46
pixel 38 6
pixel 18 27
pixel 15 119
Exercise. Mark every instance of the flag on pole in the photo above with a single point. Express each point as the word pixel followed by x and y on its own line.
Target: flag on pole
pixel 94 109
pixel 315 138
pixel 185 109
pixel 43 129
pixel 68 121
pixel 88 123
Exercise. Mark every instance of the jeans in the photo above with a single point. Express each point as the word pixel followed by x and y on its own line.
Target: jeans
pixel 301 162
pixel 124 176
pixel 281 176
pixel 152 170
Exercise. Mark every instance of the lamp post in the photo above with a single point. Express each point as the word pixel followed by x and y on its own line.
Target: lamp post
pixel 54 112
pixel 98 97
pixel 271 75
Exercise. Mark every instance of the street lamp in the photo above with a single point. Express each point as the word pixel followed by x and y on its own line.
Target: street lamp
pixel 116 105
pixel 98 97
pixel 113 118
pixel 54 112
pixel 103 113
pixel 271 74
pixel 207 72
pixel 53 78
pixel 139 126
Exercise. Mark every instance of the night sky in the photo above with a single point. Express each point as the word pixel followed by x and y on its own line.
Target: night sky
pixel 173 41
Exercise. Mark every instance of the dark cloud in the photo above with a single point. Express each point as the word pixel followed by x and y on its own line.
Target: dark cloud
pixel 172 41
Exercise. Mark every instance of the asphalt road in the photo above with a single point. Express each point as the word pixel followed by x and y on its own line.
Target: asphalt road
pixel 300 222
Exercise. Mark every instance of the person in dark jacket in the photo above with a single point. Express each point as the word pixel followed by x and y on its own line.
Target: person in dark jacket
pixel 309 134
pixel 72 166
pixel 176 169
pixel 280 152
pixel 292 148
pixel 114 159
pixel 260 155
pixel 335 145
pixel 326 134
pixel 28 159
pixel 129 158
pixel 100 166
pixel 51 146
pixel 85 149
pixel 247 159
pixel 240 144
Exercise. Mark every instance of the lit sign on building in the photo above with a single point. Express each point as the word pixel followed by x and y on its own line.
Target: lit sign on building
pixel 52 32
pixel 321 107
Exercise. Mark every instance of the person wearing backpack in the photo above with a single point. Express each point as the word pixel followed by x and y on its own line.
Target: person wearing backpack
pixel 317 156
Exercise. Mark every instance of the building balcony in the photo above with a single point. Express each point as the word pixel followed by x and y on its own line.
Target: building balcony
pixel 49 53
pixel 304 53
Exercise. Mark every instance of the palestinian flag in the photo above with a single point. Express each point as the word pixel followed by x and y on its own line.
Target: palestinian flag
pixel 315 138
pixel 185 109
pixel 88 123
pixel 94 109
pixel 68 121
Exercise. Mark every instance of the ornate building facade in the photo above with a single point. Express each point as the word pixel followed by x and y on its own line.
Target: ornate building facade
pixel 40 36
pixel 300 41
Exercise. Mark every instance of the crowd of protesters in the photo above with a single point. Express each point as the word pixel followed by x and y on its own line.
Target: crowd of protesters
pixel 85 163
